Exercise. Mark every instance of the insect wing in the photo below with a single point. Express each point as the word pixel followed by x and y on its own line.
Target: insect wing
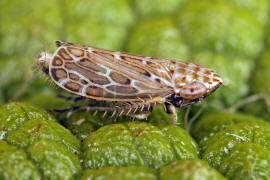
pixel 107 75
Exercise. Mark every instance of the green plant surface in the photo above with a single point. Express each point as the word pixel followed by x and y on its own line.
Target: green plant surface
pixel 50 147
pixel 220 145
pixel 189 170
pixel 211 124
pixel 220 27
pixel 137 144
pixel 158 37
pixel 35 129
pixel 119 173
pixel 15 165
pixel 54 160
pixel 247 161
pixel 15 114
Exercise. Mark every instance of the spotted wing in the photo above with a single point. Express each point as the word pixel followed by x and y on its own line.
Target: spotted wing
pixel 108 75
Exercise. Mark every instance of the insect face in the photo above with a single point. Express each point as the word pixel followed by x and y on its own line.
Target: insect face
pixel 43 61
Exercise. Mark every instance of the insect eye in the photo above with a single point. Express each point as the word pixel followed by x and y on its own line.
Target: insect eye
pixel 193 90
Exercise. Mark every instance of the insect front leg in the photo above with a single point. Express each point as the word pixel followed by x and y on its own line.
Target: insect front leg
pixel 170 108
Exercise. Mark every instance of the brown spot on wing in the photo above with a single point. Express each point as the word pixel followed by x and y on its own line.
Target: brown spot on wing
pixel 64 55
pixel 75 51
pixel 122 89
pixel 73 86
pixel 119 78
pixel 58 74
pixel 74 77
pixel 98 92
pixel 182 71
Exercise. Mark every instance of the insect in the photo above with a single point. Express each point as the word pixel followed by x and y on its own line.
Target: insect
pixel 138 82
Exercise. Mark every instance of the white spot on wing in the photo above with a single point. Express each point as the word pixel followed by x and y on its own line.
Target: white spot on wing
pixel 116 56
pixel 62 82
pixel 89 49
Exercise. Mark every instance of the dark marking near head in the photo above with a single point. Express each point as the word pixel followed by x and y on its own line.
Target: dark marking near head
pixel 58 74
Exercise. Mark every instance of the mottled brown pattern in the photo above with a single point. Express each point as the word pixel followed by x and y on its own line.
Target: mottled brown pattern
pixel 76 51
pixel 141 78
pixel 206 79
pixel 207 72
pixel 119 78
pixel 182 71
pixel 64 55
pixel 93 77
pixel 215 80
pixel 195 75
pixel 193 90
pixel 183 65
pixel 181 80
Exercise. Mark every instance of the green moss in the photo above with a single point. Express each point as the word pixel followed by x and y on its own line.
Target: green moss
pixel 13 115
pixel 211 124
pixel 137 144
pixel 220 27
pixel 52 147
pixel 54 160
pixel 189 170
pixel 120 173
pixel 15 165
pixel 157 37
pixel 220 145
pixel 247 161
pixel 36 129
pixel 157 7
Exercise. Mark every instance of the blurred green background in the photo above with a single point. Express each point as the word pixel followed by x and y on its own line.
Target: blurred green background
pixel 229 36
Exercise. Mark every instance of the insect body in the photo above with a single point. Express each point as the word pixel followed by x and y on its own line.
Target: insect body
pixel 139 82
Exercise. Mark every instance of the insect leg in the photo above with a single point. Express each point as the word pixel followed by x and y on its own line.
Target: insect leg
pixel 169 108
pixel 68 98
